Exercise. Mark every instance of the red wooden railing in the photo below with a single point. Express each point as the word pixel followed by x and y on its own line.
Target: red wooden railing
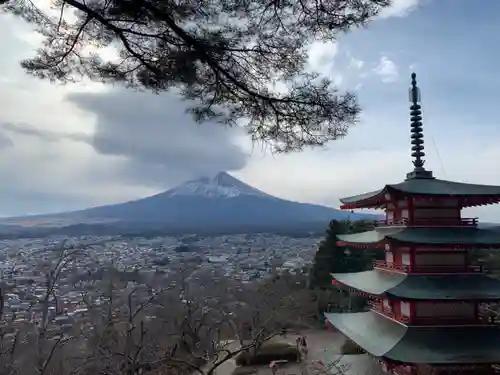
pixel 472 268
pixel 390 266
pixel 431 222
pixel 392 222
pixel 402 370
pixel 387 311
pixel 445 320
pixel 488 316
pixel 379 307
pixel 444 221
pixel 423 369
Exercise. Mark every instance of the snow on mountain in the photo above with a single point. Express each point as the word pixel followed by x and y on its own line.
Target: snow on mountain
pixel 222 185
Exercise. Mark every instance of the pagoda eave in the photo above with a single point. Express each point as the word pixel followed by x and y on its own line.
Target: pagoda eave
pixel 380 202
pixel 438 345
pixel 468 195
pixel 366 200
pixel 438 287
pixel 446 237
pixel 381 245
pixel 357 206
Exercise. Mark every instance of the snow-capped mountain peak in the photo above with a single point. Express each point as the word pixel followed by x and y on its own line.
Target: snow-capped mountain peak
pixel 222 185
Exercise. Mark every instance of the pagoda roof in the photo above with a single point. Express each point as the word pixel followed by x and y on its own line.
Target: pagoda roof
pixel 423 287
pixel 383 337
pixel 428 187
pixel 436 235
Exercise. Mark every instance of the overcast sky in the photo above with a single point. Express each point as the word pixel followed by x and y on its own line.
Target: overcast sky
pixel 72 147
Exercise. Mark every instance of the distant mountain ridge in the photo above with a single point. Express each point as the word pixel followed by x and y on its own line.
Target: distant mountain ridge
pixel 222 202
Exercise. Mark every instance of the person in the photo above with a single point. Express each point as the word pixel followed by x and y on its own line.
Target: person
pixel 298 341
pixel 274 367
pixel 305 350
pixel 303 341
pixel 283 332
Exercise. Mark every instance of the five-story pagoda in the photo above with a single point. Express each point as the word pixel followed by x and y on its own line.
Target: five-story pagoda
pixel 426 296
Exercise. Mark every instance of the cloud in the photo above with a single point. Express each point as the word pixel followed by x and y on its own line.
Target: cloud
pixel 5 142
pixel 387 70
pixel 75 146
pixel 321 59
pixel 139 144
pixel 158 142
pixel 356 63
pixel 322 54
pixel 45 135
pixel 399 8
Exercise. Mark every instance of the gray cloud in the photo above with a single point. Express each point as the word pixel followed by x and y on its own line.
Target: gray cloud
pixel 5 142
pixel 160 142
pixel 52 160
pixel 27 129
pixel 20 128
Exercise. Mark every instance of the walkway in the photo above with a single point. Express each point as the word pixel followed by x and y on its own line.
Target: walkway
pixel 323 346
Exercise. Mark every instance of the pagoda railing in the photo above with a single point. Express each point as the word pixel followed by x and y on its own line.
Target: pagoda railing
pixel 482 317
pixel 379 307
pixel 445 320
pixel 387 311
pixel 458 369
pixel 402 370
pixel 430 222
pixel 488 316
pixel 390 266
pixel 472 268
pixel 392 222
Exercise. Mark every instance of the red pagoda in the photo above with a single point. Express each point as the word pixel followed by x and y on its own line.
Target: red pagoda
pixel 426 296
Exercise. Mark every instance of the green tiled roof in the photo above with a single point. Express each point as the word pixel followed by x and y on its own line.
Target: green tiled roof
pixel 382 337
pixel 452 236
pixel 371 282
pixel 423 287
pixel 364 196
pixel 430 186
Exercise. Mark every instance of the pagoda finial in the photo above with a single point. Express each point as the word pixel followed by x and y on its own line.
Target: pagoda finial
pixel 417 136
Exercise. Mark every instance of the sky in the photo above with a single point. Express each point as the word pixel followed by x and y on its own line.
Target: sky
pixel 76 146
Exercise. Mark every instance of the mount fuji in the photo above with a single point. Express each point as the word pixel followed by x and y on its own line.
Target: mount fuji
pixel 215 204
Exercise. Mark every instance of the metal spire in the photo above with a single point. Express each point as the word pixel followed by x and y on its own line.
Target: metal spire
pixel 417 136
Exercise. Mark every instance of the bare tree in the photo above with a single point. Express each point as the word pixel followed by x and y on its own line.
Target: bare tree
pixel 228 55
pixel 29 347
pixel 220 318
pixel 194 323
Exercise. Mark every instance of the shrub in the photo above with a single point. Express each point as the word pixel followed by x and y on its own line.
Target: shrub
pixel 270 351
